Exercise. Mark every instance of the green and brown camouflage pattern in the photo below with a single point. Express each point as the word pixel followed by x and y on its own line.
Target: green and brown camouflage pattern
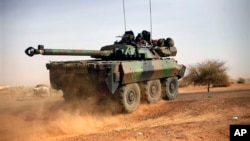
pixel 111 52
pixel 116 65
pixel 111 74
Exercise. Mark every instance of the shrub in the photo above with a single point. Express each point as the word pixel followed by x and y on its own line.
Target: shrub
pixel 208 72
pixel 241 81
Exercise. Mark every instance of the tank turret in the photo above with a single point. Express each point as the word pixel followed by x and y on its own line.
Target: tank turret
pixel 112 52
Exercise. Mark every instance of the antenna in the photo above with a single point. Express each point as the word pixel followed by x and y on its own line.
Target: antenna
pixel 150 12
pixel 124 15
pixel 150 20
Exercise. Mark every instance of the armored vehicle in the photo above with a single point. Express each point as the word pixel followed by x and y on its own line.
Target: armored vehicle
pixel 130 70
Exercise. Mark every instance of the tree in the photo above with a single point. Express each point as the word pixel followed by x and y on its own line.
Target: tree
pixel 208 72
pixel 241 81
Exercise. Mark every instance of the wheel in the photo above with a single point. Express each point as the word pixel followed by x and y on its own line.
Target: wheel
pixel 152 90
pixel 130 97
pixel 171 88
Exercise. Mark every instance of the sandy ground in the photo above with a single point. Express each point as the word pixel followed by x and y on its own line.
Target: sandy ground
pixel 192 116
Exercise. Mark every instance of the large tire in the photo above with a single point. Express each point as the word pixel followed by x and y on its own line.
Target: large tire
pixel 130 97
pixel 152 90
pixel 171 88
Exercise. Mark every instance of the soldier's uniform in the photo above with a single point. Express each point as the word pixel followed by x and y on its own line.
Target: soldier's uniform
pixel 139 40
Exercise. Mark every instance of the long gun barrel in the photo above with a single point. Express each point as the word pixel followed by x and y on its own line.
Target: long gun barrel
pixel 30 51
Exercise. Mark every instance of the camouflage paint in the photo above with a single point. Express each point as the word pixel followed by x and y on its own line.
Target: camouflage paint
pixel 117 52
pixel 169 65
pixel 147 53
pixel 137 71
pixel 131 71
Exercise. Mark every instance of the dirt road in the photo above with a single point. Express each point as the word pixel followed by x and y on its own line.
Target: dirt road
pixel 193 116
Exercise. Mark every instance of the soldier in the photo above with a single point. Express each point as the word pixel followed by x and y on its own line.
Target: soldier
pixel 146 36
pixel 128 37
pixel 139 40
pixel 161 42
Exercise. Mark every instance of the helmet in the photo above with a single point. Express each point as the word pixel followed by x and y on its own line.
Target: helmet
pixel 169 42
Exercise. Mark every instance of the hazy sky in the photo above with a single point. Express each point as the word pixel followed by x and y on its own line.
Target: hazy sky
pixel 201 29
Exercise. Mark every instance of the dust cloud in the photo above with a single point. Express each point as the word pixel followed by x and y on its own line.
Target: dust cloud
pixel 45 119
